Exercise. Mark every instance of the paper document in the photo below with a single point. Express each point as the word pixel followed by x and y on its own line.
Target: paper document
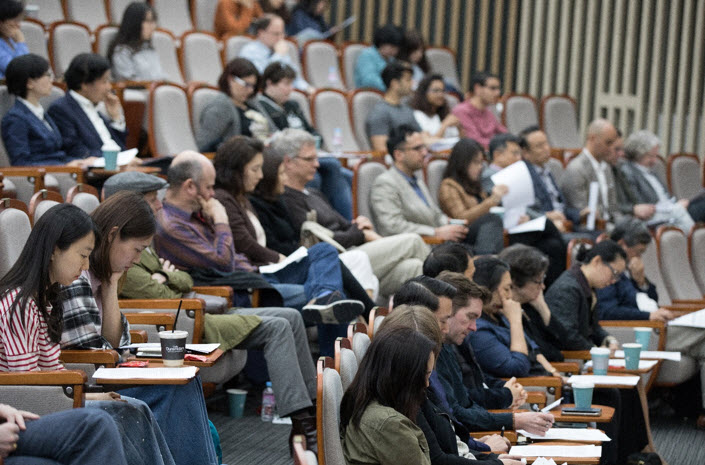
pixel 538 224
pixel 691 320
pixel 557 451
pixel 123 158
pixel 145 373
pixel 569 434
pixel 518 179
pixel 551 406
pixel 592 204
pixel 545 461
pixel 296 256
pixel 447 143
pixel 335 29
pixel 621 363
pixel 157 347
pixel 606 380
pixel 511 217
pixel 653 355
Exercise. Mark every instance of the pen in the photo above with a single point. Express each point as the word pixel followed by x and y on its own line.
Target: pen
pixel 502 433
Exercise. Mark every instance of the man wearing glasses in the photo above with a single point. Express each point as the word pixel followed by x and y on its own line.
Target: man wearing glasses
pixel 479 123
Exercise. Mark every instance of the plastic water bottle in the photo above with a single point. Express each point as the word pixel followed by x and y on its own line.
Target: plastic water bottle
pixel 332 76
pixel 268 402
pixel 337 141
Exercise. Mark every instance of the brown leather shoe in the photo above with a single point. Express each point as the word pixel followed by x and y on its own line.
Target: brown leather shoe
pixel 700 422
pixel 307 427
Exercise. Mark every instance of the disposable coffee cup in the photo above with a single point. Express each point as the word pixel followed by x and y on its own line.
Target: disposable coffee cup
pixel 642 336
pixel 173 347
pixel 236 402
pixel 499 211
pixel 582 394
pixel 600 360
pixel 632 352
pixel 110 154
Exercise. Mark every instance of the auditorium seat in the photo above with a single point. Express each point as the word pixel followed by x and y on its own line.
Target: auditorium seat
pixel 165 45
pixel 92 13
pixel 115 10
pixel 170 130
pixel 442 60
pixel 329 394
pixel 35 37
pixel 233 45
pixel 329 108
pixel 41 202
pixel 345 361
pixel 49 11
pixel 684 171
pixel 364 175
pixel 361 102
pixel 696 252
pixel 321 66
pixel 66 40
pixel 559 120
pixel 433 172
pixel 519 112
pixel 201 58
pixel 204 14
pixel 56 93
pixel 302 99
pixel 672 247
pixel 199 94
pixel 103 36
pixel 173 15
pixel 84 197
pixel 360 341
pixel 27 180
pixel 14 231
pixel 350 53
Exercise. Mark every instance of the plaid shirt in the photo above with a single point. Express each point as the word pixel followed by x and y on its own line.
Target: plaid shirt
pixel 83 317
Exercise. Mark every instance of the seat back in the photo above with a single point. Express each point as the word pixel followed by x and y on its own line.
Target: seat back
pixel 659 169
pixel 673 257
pixel 41 202
pixel 165 45
pixel 330 111
pixel 41 400
pixel 433 172
pixel 92 13
pixel 321 66
pixel 56 93
pixel 559 119
pixel 6 100
pixel 49 11
pixel 233 45
pixel 84 197
pixel 14 231
pixel 519 112
pixel 204 14
pixel 684 175
pixel 186 321
pixel 696 252
pixel 350 54
pixel 116 8
pixel 301 98
pixel 173 15
pixel 200 58
pixel 169 126
pixel 345 361
pixel 103 36
pixel 42 208
pixel 360 343
pixel 652 270
pixel 453 100
pixel 35 37
pixel 556 168
pixel 362 101
pixel 329 394
pixel 442 61
pixel 364 175
pixel 198 97
pixel 66 40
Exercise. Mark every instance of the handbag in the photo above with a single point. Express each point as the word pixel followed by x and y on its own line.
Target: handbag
pixel 312 233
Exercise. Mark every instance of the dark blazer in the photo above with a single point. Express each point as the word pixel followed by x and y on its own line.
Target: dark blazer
pixel 640 186
pixel 27 139
pixel 547 337
pixel 570 299
pixel 281 233
pixel 80 138
pixel 618 301
pixel 278 115
pixel 543 198
pixel 485 389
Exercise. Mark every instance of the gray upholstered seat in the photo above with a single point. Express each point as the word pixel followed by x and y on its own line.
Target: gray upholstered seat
pixel 24 187
pixel 42 208
pixel 519 112
pixel 86 202
pixel 173 15
pixel 321 66
pixel 652 270
pixel 350 54
pixel 304 103
pixel 201 58
pixel 199 98
pixel 165 45
pixel 56 93
pixel 560 122
pixel 330 111
pixel 116 10
pixel 442 61
pixel 363 178
pixel 434 176
pixel 14 231
pixel 92 13
pixel 233 45
pixel 103 38
pixel 35 38
pixel 348 367
pixel 332 396
pixel 49 11
pixel 67 41
pixel 556 169
pixel 697 252
pixel 360 343
pixel 204 14
pixel 170 128
pixel 685 172
pixel 362 101
pixel 675 266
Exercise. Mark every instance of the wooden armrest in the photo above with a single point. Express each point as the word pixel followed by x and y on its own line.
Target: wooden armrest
pixel 432 240
pixel 149 318
pixel 109 358
pixel 690 302
pixel 44 378
pixel 683 308
pixel 536 397
pixel 138 336
pixel 506 410
pixel 576 354
pixel 511 435
pixel 543 381
pixel 188 304
pixel 633 323
pixel 566 367
pixel 221 291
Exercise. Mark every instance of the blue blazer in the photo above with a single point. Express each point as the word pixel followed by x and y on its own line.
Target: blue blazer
pixel 80 138
pixel 27 139
pixel 543 198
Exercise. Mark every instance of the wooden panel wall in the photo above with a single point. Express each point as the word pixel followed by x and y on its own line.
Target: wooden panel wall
pixel 640 63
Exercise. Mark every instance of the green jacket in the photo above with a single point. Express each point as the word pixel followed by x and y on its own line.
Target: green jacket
pixel 140 285
pixel 385 437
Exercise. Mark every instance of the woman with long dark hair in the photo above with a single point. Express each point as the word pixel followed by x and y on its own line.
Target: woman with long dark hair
pixel 413 51
pixel 431 109
pixel 131 54
pixel 379 409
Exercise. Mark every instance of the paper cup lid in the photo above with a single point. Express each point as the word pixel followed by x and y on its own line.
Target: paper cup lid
pixel 600 351
pixel 111 145
pixel 642 329
pixel 236 391
pixel 173 334
pixel 631 345
pixel 582 384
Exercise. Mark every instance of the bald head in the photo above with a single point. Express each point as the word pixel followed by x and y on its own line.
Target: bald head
pixel 191 176
pixel 601 136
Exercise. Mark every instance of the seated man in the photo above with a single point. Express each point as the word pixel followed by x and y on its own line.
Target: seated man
pixel 394 259
pixel 270 46
pixel 79 114
pixel 391 112
pixel 401 203
pixel 479 123
pixel 387 41
pixel 504 151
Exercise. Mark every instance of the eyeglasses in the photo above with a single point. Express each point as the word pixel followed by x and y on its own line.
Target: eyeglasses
pixel 615 273
pixel 243 83
pixel 539 281
pixel 307 159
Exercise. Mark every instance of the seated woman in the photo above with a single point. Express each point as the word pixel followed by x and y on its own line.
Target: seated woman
pixel 379 410
pixel 30 136
pixel 413 51
pixel 92 319
pixel 431 109
pixel 55 254
pixel 232 113
pixel 12 42
pixel 307 21
pixel 461 196
pixel 233 17
pixel 131 54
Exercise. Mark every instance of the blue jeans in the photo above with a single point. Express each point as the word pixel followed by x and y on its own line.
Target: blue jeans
pixel 336 184
pixel 72 437
pixel 182 416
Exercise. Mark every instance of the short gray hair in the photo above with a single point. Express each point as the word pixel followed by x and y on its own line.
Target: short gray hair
pixel 182 171
pixel 290 141
pixel 638 144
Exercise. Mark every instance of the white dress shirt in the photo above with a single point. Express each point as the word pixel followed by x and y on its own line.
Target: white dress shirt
pixel 600 168
pixel 91 111
pixel 37 110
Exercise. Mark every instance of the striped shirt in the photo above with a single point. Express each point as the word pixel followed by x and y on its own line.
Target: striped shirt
pixel 25 345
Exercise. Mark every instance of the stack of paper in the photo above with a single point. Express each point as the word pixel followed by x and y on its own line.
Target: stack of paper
pixel 653 355
pixel 621 363
pixel 535 450
pixel 145 373
pixel 605 380
pixel 545 461
pixel 691 320
pixel 569 434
